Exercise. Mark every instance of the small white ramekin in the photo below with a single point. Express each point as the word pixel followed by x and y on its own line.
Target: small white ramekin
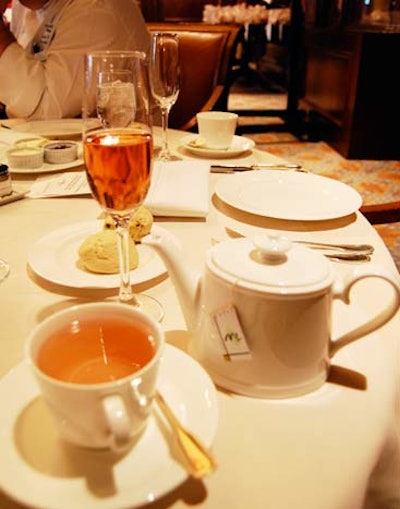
pixel 60 151
pixel 25 157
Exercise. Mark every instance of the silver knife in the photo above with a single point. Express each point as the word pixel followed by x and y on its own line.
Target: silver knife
pixel 231 168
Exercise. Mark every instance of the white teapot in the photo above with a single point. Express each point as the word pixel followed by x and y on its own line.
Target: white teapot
pixel 261 312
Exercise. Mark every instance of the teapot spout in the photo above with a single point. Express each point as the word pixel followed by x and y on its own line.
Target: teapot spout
pixel 186 282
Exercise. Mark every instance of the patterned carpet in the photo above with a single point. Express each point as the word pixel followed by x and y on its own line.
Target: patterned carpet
pixel 376 181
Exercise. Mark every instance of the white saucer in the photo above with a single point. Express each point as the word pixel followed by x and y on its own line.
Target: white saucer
pixel 40 470
pixel 290 195
pixel 239 145
pixel 55 257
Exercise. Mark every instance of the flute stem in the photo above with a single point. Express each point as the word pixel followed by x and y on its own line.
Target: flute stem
pixel 125 291
pixel 164 154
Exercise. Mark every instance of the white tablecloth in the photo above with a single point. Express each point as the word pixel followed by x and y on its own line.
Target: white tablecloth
pixel 336 448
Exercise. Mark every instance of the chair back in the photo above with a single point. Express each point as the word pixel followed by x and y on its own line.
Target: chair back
pixel 207 54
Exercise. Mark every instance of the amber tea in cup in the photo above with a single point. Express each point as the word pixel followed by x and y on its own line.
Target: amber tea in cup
pixel 95 351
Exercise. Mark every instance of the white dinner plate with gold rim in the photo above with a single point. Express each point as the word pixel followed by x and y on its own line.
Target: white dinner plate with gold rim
pixel 240 144
pixel 292 195
pixel 54 257
pixel 53 129
pixel 44 472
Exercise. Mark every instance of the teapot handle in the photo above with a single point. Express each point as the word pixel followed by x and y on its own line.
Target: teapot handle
pixel 341 290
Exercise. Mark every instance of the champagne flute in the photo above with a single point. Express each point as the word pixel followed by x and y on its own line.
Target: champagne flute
pixel 118 148
pixel 165 80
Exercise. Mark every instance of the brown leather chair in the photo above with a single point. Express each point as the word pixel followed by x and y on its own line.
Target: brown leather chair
pixel 207 55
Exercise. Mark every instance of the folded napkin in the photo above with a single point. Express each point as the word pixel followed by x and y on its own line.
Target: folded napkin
pixel 178 188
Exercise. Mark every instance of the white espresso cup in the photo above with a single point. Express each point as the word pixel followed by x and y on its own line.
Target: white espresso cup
pixel 217 128
pixel 97 365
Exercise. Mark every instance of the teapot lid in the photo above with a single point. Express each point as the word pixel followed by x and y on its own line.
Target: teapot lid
pixel 271 263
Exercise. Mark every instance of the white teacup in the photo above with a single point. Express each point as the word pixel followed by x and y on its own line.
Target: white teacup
pixel 97 366
pixel 217 128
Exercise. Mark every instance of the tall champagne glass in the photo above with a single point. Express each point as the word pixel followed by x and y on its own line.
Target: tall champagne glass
pixel 118 148
pixel 165 80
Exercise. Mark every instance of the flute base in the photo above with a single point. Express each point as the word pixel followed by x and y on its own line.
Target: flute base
pixel 147 304
pixel 165 156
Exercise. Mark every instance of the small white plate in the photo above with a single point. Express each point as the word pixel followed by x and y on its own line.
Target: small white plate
pixel 55 257
pixel 54 129
pixel 51 167
pixel 42 471
pixel 239 145
pixel 291 195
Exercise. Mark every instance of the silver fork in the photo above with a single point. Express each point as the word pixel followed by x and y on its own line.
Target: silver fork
pixel 353 248
pixel 348 257
pixel 337 252
pixel 232 168
pixel 365 249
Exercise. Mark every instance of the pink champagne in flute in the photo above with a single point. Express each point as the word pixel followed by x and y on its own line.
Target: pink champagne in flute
pixel 119 167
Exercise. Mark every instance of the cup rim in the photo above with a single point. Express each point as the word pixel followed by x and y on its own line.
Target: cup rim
pixel 216 115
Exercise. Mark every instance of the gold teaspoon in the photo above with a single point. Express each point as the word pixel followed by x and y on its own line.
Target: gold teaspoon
pixel 198 459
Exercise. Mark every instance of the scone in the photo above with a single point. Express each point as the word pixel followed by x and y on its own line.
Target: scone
pixel 139 225
pixel 99 253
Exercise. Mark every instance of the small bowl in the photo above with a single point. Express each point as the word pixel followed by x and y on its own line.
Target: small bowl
pixel 60 151
pixel 25 157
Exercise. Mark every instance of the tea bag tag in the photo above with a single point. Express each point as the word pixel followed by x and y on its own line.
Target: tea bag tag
pixel 233 340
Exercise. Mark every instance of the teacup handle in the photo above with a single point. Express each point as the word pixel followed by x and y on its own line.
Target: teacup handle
pixel 118 421
pixel 341 290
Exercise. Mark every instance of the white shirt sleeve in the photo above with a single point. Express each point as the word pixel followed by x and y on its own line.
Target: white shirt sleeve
pixel 48 84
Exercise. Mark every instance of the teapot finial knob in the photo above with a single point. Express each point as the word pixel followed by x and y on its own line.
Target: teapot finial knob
pixel 272 248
